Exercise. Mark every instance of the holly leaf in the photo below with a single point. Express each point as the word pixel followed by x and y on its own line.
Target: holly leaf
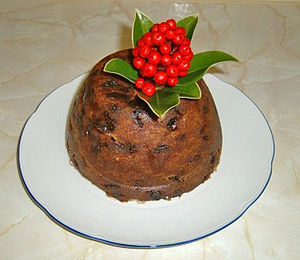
pixel 206 59
pixel 191 77
pixel 201 62
pixel 161 102
pixel 189 23
pixel 141 25
pixel 122 68
pixel 191 91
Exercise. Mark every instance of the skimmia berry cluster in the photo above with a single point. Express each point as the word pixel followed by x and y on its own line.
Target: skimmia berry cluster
pixel 161 56
pixel 164 69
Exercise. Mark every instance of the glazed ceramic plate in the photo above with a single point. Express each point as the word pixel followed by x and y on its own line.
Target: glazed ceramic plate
pixel 77 205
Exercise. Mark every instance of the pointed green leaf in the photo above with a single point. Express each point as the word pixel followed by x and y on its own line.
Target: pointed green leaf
pixel 189 23
pixel 201 62
pixel 206 59
pixel 122 68
pixel 161 102
pixel 191 91
pixel 141 24
pixel 191 77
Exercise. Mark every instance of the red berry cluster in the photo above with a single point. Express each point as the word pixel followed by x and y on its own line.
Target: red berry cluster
pixel 162 55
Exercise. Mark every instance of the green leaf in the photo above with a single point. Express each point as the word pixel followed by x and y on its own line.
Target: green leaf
pixel 141 25
pixel 161 102
pixel 201 62
pixel 206 59
pixel 189 23
pixel 122 68
pixel 191 91
pixel 191 77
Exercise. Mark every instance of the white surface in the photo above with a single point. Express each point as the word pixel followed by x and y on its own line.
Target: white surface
pixel 243 173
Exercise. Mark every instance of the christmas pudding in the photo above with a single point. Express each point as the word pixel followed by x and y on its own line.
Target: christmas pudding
pixel 144 125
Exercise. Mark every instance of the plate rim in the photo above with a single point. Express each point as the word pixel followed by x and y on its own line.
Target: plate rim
pixel 126 245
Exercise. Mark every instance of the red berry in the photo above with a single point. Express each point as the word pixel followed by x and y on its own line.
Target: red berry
pixel 141 73
pixel 172 71
pixel 157 38
pixel 138 62
pixel 178 39
pixel 147 38
pixel 184 65
pixel 185 50
pixel 177 58
pixel 166 60
pixel 189 57
pixel 148 89
pixel 140 42
pixel 172 81
pixel 182 73
pixel 160 78
pixel 170 34
pixel 139 83
pixel 149 69
pixel 135 51
pixel 163 27
pixel 186 41
pixel 144 51
pixel 171 23
pixel 154 57
pixel 155 28
pixel 165 48
pixel 180 30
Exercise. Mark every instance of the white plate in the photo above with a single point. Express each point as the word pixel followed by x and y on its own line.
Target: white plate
pixel 77 205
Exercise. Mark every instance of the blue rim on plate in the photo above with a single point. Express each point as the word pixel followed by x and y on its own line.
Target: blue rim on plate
pixel 95 238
